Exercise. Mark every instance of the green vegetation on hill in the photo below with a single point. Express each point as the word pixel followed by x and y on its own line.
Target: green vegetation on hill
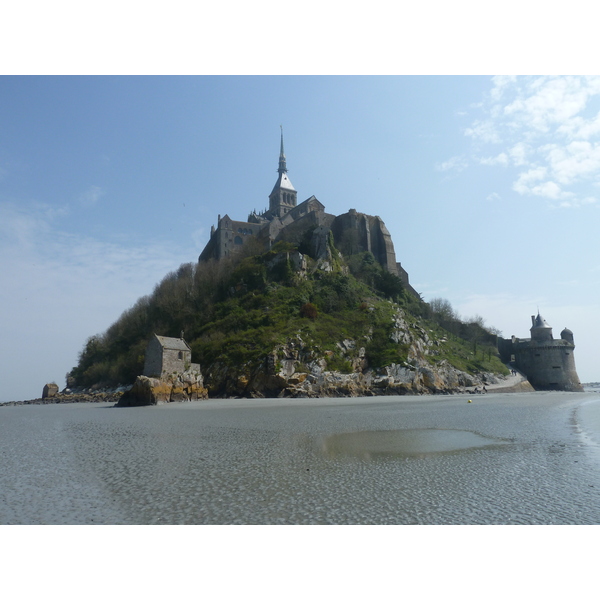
pixel 237 311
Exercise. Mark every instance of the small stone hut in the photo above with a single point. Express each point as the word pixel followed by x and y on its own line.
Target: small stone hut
pixel 166 355
pixel 50 390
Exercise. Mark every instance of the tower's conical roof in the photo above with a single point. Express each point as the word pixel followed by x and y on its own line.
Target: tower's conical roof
pixel 540 322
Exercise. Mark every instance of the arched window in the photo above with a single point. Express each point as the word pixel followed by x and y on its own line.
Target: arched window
pixel 238 240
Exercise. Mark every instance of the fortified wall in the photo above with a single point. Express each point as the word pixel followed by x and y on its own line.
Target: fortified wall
pixel 286 220
pixel 547 363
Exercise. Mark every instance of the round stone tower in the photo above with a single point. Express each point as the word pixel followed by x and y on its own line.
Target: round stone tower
pixel 567 334
pixel 540 330
pixel 547 363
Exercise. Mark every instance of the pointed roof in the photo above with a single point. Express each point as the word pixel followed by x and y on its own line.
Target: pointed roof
pixel 283 181
pixel 540 322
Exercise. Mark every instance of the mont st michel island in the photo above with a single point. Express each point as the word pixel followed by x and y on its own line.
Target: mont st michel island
pixel 293 374
pixel 295 302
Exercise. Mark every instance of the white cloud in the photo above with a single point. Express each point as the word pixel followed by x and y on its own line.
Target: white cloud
pixel 580 128
pixel 550 130
pixel 500 159
pixel 484 131
pixel 91 196
pixel 572 162
pixel 518 153
pixel 544 101
pixel 523 183
pixel 493 197
pixel 501 82
pixel 526 184
pixel 456 163
pixel 577 202
pixel 548 189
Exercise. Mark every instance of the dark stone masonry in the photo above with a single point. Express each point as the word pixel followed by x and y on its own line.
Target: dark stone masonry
pixel 286 220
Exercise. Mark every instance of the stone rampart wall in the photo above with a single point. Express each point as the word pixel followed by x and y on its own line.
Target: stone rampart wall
pixel 356 232
pixel 548 366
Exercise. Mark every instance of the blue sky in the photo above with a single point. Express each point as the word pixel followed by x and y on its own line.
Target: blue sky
pixel 489 187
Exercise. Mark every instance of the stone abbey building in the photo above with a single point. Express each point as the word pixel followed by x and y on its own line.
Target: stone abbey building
pixel 547 363
pixel 289 221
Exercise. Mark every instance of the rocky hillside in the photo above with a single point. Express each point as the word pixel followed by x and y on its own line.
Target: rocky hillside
pixel 296 321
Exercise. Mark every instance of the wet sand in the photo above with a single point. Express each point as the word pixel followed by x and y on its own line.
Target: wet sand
pixel 504 458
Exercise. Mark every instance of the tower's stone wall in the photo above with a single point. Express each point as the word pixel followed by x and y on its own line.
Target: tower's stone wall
pixel 547 363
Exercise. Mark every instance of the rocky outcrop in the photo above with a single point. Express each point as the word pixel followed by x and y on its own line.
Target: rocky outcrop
pixel 74 396
pixel 177 387
pixel 390 380
pixel 297 369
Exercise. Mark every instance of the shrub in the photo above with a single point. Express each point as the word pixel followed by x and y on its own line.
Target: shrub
pixel 309 310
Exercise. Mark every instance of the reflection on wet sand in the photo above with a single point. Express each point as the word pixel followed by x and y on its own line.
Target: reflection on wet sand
pixel 404 443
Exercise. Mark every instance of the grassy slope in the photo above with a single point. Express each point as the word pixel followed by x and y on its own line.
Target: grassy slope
pixel 236 312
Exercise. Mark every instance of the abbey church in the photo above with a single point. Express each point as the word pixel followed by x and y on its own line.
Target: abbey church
pixel 289 221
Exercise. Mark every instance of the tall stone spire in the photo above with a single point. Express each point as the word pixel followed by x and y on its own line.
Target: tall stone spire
pixel 282 166
pixel 283 197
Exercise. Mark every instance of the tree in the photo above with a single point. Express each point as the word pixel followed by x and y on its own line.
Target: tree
pixel 309 310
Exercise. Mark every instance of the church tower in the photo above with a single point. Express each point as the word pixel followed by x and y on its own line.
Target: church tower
pixel 283 197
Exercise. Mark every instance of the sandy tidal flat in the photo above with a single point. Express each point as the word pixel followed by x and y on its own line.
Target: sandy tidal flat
pixel 520 458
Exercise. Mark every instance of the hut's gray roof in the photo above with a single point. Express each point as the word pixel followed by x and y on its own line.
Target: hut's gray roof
pixel 172 343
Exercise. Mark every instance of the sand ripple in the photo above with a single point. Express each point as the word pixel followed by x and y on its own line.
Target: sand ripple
pixel 275 462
